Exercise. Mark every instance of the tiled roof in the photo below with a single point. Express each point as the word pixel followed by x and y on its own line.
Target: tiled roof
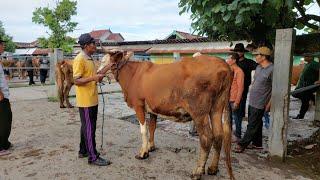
pixel 42 51
pixel 98 33
pixel 188 35
pixel 115 37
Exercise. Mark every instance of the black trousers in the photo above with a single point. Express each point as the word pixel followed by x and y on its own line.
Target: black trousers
pixel 5 124
pixel 30 74
pixel 254 128
pixel 305 98
pixel 242 105
pixel 88 116
pixel 43 75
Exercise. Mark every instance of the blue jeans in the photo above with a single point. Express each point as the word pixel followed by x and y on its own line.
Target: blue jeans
pixel 266 121
pixel 235 115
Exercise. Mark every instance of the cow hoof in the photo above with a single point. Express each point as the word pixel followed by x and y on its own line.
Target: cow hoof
pixel 195 176
pixel 151 149
pixel 70 106
pixel 212 172
pixel 145 156
pixel 62 107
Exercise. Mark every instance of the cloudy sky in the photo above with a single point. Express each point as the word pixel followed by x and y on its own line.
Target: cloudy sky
pixel 134 19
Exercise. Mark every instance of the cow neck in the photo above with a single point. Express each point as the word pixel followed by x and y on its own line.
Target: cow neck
pixel 126 74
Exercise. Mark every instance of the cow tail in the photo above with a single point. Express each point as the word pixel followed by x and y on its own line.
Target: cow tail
pixel 227 125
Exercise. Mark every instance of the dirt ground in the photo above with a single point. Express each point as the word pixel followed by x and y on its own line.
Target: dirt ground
pixel 46 141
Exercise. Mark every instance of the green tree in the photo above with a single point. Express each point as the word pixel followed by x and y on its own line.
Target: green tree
pixel 9 45
pixel 58 20
pixel 254 20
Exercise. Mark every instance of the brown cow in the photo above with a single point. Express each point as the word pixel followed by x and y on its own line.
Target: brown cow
pixel 22 73
pixel 36 65
pixel 195 89
pixel 64 80
pixel 296 71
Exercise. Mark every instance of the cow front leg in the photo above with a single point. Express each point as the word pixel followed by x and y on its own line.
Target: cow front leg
pixel 152 129
pixel 144 152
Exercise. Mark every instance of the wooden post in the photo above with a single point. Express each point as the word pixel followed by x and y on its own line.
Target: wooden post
pixel 280 98
pixel 54 57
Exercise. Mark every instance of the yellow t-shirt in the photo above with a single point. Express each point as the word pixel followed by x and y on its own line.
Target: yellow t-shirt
pixel 86 95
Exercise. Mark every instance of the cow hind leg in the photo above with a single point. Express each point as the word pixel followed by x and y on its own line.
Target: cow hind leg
pixel 152 128
pixel 66 94
pixel 206 138
pixel 221 133
pixel 144 152
pixel 217 131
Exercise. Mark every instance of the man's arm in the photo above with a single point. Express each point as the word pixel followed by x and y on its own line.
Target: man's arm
pixel 105 69
pixel 83 81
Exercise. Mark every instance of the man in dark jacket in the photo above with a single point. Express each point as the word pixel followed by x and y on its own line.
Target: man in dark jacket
pixel 309 75
pixel 247 66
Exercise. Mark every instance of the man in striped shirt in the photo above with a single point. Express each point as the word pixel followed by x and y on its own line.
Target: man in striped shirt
pixel 5 111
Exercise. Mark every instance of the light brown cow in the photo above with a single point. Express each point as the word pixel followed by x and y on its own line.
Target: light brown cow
pixel 22 73
pixel 64 80
pixel 195 89
pixel 36 65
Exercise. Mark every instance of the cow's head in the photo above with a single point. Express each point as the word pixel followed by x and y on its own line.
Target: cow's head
pixel 118 59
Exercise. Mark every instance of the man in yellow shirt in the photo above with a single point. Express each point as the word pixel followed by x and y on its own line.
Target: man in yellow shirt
pixel 85 80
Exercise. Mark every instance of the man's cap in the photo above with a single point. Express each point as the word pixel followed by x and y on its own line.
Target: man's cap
pixel 263 51
pixel 239 47
pixel 85 39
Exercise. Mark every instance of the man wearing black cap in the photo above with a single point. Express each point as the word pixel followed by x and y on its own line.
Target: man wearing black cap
pixel 5 111
pixel 309 75
pixel 85 80
pixel 247 66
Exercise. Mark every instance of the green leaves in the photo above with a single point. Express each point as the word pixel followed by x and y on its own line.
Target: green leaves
pixel 9 45
pixel 58 20
pixel 243 19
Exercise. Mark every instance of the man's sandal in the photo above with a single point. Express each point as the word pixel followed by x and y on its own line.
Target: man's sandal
pixel 239 149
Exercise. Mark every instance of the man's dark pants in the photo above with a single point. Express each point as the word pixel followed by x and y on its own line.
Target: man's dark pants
pixel 254 128
pixel 30 74
pixel 235 116
pixel 88 116
pixel 242 105
pixel 43 75
pixel 305 98
pixel 5 124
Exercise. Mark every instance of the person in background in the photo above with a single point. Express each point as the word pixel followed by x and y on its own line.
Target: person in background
pixel 247 66
pixel 5 111
pixel 309 76
pixel 29 67
pixel 259 100
pixel 44 66
pixel 236 93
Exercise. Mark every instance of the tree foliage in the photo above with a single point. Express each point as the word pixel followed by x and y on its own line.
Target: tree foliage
pixel 9 45
pixel 254 20
pixel 58 20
